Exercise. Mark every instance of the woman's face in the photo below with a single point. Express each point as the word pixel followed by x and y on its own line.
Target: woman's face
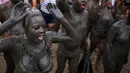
pixel 36 30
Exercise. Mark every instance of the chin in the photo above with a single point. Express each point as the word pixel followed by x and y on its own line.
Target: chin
pixel 38 41
pixel 82 9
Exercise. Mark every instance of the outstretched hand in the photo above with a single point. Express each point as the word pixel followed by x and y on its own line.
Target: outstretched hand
pixel 52 8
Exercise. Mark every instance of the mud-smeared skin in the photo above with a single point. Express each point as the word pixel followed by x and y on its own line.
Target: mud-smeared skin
pixel 100 20
pixel 117 51
pixel 70 51
pixel 93 9
pixel 15 30
pixel 102 27
pixel 22 45
pixel 4 15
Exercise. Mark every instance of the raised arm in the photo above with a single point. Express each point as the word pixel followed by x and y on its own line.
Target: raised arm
pixel 63 5
pixel 60 17
pixel 10 23
pixel 71 32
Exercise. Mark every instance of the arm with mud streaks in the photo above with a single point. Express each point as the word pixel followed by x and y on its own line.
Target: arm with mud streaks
pixel 7 42
pixel 56 37
pixel 10 23
pixel 71 32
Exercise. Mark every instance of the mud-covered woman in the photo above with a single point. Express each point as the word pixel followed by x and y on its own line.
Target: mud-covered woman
pixel 118 41
pixel 77 16
pixel 31 52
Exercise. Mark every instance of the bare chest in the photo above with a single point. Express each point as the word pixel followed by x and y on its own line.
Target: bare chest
pixel 74 19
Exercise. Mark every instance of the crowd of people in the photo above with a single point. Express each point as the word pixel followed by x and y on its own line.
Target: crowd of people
pixel 31 26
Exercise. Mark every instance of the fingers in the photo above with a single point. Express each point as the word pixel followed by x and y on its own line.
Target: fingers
pixel 54 6
pixel 19 13
pixel 51 6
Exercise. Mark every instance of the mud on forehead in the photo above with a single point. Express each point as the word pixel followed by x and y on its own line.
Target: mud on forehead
pixel 37 19
pixel 34 17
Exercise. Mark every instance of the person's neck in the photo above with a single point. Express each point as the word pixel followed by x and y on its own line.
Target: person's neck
pixel 33 43
pixel 77 11
pixel 36 47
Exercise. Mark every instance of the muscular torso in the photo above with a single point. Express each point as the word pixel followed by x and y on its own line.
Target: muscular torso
pixel 76 20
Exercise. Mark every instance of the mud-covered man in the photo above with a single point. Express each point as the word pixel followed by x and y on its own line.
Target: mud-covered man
pixel 77 16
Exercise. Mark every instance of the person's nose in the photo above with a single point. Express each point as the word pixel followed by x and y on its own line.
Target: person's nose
pixel 41 30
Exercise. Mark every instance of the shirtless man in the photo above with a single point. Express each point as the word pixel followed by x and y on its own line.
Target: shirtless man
pixel 99 31
pixel 77 16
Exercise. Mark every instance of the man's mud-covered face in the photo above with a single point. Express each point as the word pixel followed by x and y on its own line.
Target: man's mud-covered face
pixel 79 5
pixel 82 4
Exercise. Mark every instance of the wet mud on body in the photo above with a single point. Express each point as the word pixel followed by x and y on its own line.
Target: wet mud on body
pixel 54 46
